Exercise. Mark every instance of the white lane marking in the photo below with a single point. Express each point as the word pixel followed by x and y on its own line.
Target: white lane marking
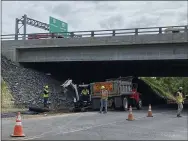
pixel 111 123
pixel 7 120
pixel 184 130
pixel 86 128
pixel 90 127
pixel 170 135
pixel 60 127
pixel 80 129
pixel 56 116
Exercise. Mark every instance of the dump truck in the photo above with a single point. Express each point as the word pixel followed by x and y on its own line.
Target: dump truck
pixel 122 93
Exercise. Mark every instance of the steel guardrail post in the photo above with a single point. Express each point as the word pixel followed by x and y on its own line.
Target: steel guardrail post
pixel 71 34
pixel 92 34
pixel 160 30
pixel 113 33
pixel 186 28
pixel 52 35
pixel 136 31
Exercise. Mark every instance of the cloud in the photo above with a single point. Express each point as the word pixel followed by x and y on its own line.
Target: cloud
pixel 95 15
pixel 111 22
pixel 63 10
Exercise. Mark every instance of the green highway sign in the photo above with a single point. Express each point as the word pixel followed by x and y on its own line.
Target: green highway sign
pixel 57 26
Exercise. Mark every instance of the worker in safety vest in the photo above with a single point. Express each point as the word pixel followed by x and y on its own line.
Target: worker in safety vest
pixel 45 95
pixel 104 99
pixel 85 94
pixel 180 101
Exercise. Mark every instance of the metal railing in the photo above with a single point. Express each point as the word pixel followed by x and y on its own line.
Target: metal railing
pixel 99 33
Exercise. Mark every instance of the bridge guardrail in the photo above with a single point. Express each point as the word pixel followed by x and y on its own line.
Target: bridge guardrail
pixel 99 33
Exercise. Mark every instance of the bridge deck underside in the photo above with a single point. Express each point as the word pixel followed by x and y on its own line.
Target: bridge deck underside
pixel 92 71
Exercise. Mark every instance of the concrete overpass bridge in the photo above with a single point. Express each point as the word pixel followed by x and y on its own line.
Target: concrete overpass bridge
pixel 144 47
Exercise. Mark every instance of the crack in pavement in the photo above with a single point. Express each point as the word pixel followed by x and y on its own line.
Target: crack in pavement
pixel 72 130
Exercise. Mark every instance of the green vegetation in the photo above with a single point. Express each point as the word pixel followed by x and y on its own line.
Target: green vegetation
pixel 164 86
pixel 7 99
pixel 167 86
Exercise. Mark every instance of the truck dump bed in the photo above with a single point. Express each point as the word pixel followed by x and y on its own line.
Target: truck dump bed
pixel 116 87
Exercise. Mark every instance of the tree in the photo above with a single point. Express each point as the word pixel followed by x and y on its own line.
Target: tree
pixel 167 86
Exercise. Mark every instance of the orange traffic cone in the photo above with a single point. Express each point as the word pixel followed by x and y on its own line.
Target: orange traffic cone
pixel 149 111
pixel 130 116
pixel 18 131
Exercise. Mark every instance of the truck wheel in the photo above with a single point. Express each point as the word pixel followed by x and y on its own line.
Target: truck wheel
pixel 139 105
pixel 110 103
pixel 125 104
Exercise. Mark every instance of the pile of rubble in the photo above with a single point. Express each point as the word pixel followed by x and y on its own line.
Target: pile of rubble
pixel 26 85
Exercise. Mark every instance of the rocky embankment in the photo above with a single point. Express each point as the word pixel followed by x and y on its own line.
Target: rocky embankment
pixel 26 85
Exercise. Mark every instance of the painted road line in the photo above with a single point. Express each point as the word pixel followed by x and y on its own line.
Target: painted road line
pixel 84 128
pixel 6 120
pixel 60 127
pixel 81 129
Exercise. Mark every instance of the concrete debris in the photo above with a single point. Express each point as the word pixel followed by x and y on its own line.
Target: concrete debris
pixel 26 86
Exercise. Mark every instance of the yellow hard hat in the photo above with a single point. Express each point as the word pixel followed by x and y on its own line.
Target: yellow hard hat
pixel 46 86
pixel 180 88
pixel 102 87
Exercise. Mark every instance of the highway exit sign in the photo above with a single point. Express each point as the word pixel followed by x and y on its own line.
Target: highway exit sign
pixel 57 26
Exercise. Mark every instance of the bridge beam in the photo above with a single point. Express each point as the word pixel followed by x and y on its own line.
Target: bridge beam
pixel 104 53
pixel 153 46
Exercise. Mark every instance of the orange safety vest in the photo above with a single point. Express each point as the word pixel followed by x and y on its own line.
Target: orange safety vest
pixel 104 94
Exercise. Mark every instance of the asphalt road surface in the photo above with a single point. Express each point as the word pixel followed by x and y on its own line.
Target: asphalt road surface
pixel 163 125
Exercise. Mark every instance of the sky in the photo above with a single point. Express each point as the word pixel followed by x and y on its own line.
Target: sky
pixel 96 15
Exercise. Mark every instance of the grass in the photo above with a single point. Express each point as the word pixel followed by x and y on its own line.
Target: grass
pixel 12 109
pixel 158 88
pixel 7 101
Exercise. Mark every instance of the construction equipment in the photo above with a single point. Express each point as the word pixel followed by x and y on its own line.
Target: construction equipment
pixel 79 103
pixel 122 93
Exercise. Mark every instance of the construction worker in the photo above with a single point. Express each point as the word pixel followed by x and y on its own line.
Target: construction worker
pixel 180 101
pixel 45 95
pixel 85 94
pixel 104 99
